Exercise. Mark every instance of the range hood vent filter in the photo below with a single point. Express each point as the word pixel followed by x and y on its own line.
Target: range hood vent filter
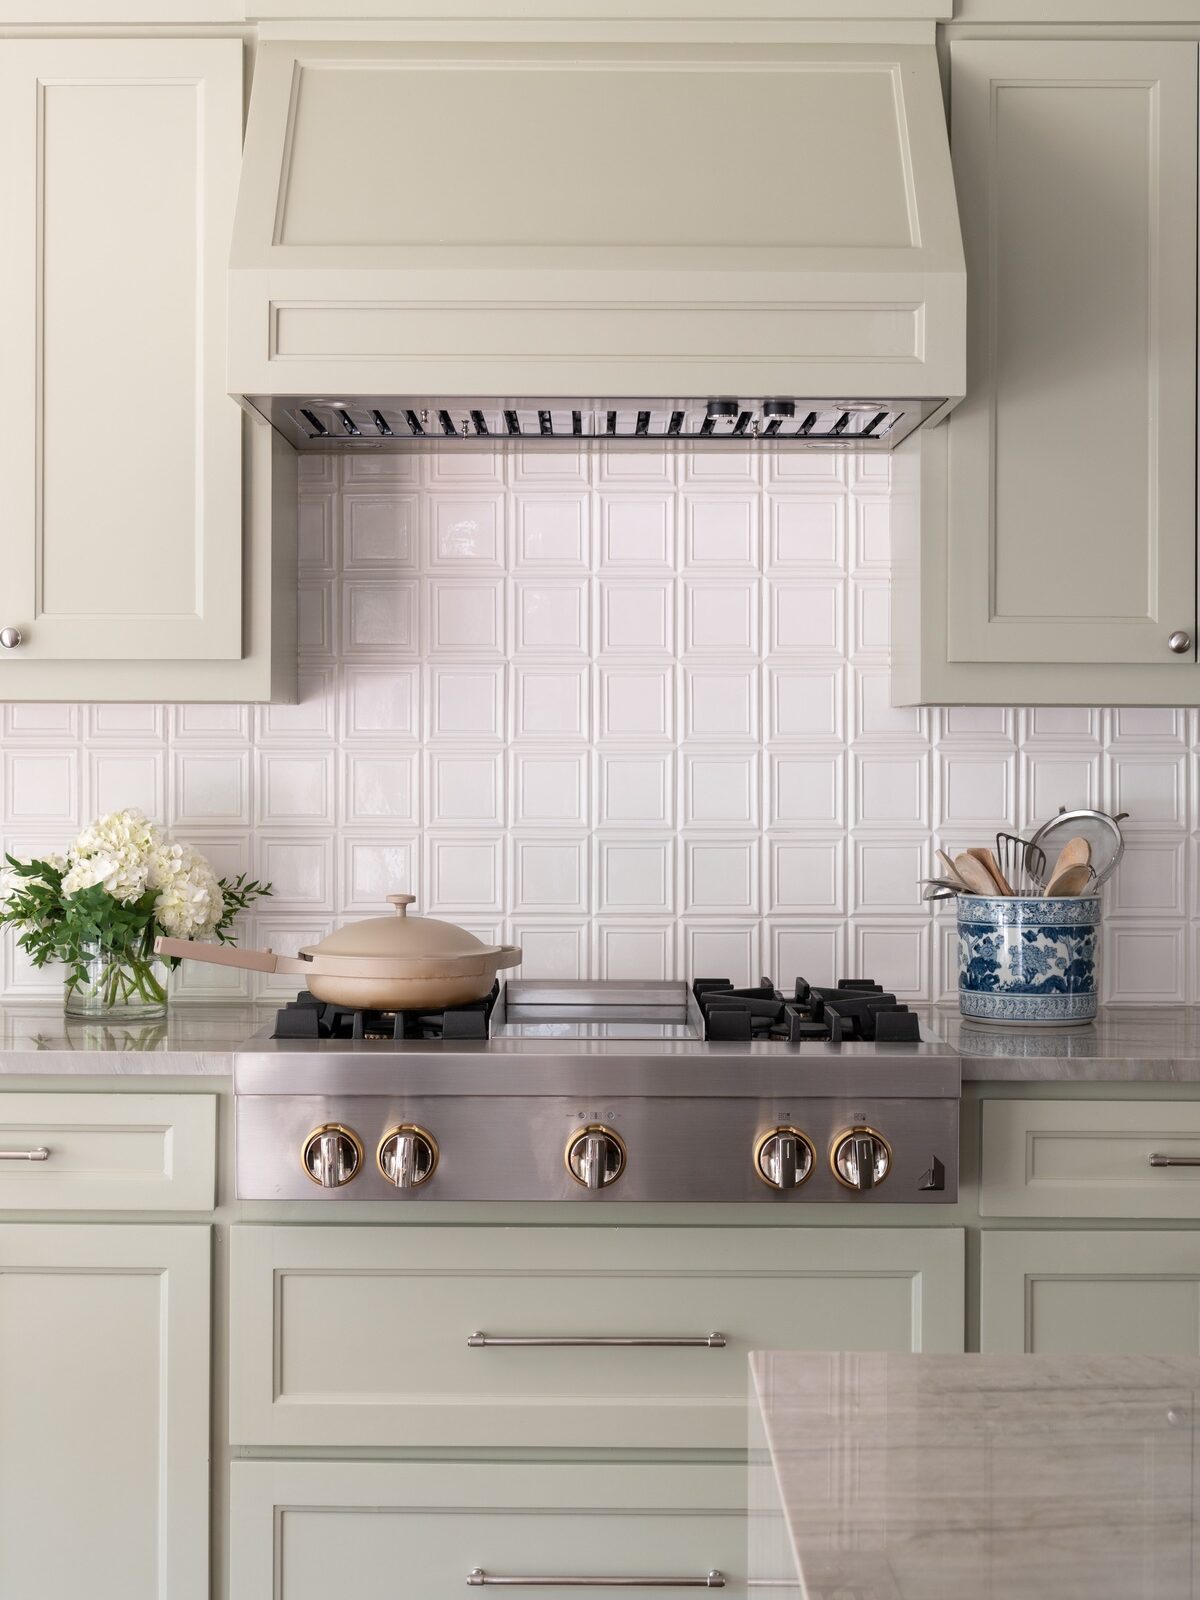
pixel 390 423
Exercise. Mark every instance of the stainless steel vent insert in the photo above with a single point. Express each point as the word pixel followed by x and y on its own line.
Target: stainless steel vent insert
pixel 388 422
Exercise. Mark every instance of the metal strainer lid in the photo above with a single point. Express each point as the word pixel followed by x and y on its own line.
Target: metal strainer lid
pixel 1100 830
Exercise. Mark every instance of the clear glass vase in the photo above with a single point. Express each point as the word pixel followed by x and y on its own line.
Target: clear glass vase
pixel 125 985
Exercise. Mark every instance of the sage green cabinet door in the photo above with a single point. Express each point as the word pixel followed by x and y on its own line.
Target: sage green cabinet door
pixel 311 1530
pixel 1072 499
pixel 357 1336
pixel 104 1412
pixel 1104 1293
pixel 120 449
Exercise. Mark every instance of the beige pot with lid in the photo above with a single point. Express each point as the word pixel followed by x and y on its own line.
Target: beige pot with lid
pixel 397 963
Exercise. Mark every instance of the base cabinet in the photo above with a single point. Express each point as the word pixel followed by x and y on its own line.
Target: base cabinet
pixel 1058 1293
pixel 306 1530
pixel 104 1411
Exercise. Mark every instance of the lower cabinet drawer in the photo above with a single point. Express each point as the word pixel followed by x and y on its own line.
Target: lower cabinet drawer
pixel 604 1337
pixel 107 1152
pixel 307 1530
pixel 1090 1158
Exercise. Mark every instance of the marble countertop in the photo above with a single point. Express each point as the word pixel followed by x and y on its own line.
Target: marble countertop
pixel 939 1477
pixel 194 1040
pixel 1150 1044
pixel 1145 1044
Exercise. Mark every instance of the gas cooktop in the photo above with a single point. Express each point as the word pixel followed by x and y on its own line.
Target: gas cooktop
pixel 855 1011
pixel 570 1091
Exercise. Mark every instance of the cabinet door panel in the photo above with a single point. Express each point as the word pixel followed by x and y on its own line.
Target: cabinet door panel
pixel 104 1425
pixel 1090 1293
pixel 1072 462
pixel 358 1336
pixel 308 1530
pixel 119 447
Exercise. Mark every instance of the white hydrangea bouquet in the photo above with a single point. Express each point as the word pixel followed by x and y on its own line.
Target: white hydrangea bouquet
pixel 99 908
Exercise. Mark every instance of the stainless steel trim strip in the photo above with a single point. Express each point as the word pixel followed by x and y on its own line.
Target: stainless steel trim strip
pixel 477 1578
pixel 40 1154
pixel 487 1341
pixel 1174 1161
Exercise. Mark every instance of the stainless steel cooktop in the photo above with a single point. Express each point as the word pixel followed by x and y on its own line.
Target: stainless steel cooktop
pixel 597 1093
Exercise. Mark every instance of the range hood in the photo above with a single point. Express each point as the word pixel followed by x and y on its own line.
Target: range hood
pixel 451 245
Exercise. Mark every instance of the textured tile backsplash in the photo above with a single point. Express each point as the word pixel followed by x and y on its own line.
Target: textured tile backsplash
pixel 629 711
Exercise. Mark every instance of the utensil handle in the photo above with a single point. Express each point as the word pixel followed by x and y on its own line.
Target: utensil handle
pixel 40 1154
pixel 478 1578
pixel 486 1341
pixel 1157 1160
pixel 223 955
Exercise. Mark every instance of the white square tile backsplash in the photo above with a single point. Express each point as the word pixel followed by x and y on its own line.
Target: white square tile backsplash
pixel 627 710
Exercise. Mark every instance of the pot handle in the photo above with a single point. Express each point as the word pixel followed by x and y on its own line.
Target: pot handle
pixel 227 955
pixel 506 955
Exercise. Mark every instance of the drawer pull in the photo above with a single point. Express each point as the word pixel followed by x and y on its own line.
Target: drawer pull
pixel 40 1154
pixel 1174 1161
pixel 488 1341
pixel 477 1578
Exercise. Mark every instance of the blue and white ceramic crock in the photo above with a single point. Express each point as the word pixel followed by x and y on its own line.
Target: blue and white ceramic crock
pixel 1028 960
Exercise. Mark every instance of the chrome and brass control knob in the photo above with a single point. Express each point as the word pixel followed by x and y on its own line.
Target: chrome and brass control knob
pixel 861 1158
pixel 595 1156
pixel 407 1156
pixel 332 1155
pixel 784 1158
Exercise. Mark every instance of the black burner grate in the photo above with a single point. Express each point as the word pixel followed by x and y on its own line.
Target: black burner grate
pixel 306 1017
pixel 856 1010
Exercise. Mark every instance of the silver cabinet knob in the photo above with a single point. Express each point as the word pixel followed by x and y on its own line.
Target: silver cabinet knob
pixel 595 1156
pixel 407 1156
pixel 784 1158
pixel 1179 642
pixel 861 1158
pixel 10 638
pixel 332 1155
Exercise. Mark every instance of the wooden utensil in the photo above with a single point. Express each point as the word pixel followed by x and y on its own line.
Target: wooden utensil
pixel 986 859
pixel 1076 852
pixel 1071 880
pixel 951 872
pixel 975 875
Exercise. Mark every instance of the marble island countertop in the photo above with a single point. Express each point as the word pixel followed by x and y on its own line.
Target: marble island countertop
pixel 1144 1044
pixel 941 1477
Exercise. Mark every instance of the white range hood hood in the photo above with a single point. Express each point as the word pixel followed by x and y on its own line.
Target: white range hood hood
pixel 456 243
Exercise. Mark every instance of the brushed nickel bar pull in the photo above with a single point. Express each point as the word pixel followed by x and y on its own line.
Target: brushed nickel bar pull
pixel 478 1578
pixel 487 1341
pixel 40 1154
pixel 1174 1161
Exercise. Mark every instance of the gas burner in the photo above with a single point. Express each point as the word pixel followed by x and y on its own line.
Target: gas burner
pixel 306 1017
pixel 857 1010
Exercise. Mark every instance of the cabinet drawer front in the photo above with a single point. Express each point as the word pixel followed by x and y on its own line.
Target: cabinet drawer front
pixel 1091 1158
pixel 308 1530
pixel 107 1152
pixel 1094 1292
pixel 354 1336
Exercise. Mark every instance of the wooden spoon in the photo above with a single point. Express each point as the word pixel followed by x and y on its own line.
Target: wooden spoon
pixel 1070 880
pixel 951 871
pixel 975 875
pixel 1076 852
pixel 983 855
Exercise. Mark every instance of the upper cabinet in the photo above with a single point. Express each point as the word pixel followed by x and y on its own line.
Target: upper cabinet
pixel 126 563
pixel 1054 556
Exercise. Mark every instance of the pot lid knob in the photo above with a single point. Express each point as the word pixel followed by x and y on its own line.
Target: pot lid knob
pixel 401 902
